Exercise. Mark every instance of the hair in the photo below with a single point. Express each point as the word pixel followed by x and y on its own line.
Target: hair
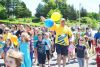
pixel 26 36
pixel 41 34
pixel 15 55
pixel 10 42
pixel 18 62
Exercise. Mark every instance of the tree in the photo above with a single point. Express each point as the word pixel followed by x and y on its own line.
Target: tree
pixel 94 16
pixel 83 12
pixel 21 11
pixel 50 6
pixel 15 8
pixel 42 10
pixel 3 13
pixel 52 11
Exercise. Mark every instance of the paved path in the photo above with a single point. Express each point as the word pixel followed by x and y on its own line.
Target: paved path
pixel 92 63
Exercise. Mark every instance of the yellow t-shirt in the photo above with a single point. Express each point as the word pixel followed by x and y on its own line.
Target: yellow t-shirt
pixel 62 34
pixel 5 36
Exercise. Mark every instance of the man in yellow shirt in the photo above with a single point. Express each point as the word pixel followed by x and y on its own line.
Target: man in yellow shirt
pixel 63 33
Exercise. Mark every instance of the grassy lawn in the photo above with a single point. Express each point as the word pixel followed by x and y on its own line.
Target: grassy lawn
pixel 27 21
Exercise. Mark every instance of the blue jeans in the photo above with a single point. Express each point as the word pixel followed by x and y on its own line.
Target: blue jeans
pixel 81 62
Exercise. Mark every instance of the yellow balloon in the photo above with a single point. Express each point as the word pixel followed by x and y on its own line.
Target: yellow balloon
pixel 14 40
pixel 16 43
pixel 56 16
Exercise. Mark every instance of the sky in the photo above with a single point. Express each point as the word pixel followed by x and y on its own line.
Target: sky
pixel 89 5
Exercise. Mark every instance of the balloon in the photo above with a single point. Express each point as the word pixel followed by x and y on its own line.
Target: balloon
pixel 49 23
pixel 14 40
pixel 56 16
pixel 53 27
pixel 15 43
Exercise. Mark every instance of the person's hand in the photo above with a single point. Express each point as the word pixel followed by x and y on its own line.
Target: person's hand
pixel 42 18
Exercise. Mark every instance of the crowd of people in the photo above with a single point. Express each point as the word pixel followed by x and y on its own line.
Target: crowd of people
pixel 75 43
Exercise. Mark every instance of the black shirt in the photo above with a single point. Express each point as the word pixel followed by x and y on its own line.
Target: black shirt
pixel 80 51
pixel 40 45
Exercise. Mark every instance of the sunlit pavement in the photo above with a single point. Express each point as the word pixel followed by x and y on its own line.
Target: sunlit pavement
pixel 53 63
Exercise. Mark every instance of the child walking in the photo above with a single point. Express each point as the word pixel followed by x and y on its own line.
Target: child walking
pixel 7 46
pixel 48 47
pixel 41 51
pixel 24 48
pixel 2 43
pixel 81 52
pixel 98 53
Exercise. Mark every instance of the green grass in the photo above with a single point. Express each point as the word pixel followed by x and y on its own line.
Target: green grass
pixel 22 21
pixel 28 21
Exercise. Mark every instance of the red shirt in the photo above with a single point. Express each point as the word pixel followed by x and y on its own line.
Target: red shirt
pixel 98 54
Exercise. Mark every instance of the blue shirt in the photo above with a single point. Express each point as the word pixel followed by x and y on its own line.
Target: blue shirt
pixel 2 44
pixel 97 36
pixel 35 39
pixel 48 46
pixel 24 48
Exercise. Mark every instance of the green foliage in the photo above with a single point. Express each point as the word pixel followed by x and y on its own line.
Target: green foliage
pixel 15 8
pixel 94 16
pixel 83 12
pixel 3 13
pixel 86 20
pixel 35 20
pixel 68 12
pixel 21 11
pixel 92 22
pixel 11 19
pixel 52 11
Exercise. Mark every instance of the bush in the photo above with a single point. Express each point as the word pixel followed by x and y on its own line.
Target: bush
pixel 36 20
pixel 86 20
pixel 94 24
pixel 11 19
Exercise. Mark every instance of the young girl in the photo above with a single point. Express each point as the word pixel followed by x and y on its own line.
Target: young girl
pixel 98 53
pixel 81 52
pixel 2 43
pixel 35 39
pixel 24 48
pixel 41 51
pixel 13 58
pixel 7 46
pixel 31 44
pixel 48 47
pixel 71 51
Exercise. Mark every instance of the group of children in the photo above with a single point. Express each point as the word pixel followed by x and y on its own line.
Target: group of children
pixel 40 42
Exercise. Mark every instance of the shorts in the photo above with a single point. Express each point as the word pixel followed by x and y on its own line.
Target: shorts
pixel 41 58
pixel 61 49
pixel 48 54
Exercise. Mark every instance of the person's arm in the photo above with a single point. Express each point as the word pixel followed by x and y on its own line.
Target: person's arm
pixel 86 54
pixel 36 52
pixel 42 18
pixel 86 57
pixel 69 33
